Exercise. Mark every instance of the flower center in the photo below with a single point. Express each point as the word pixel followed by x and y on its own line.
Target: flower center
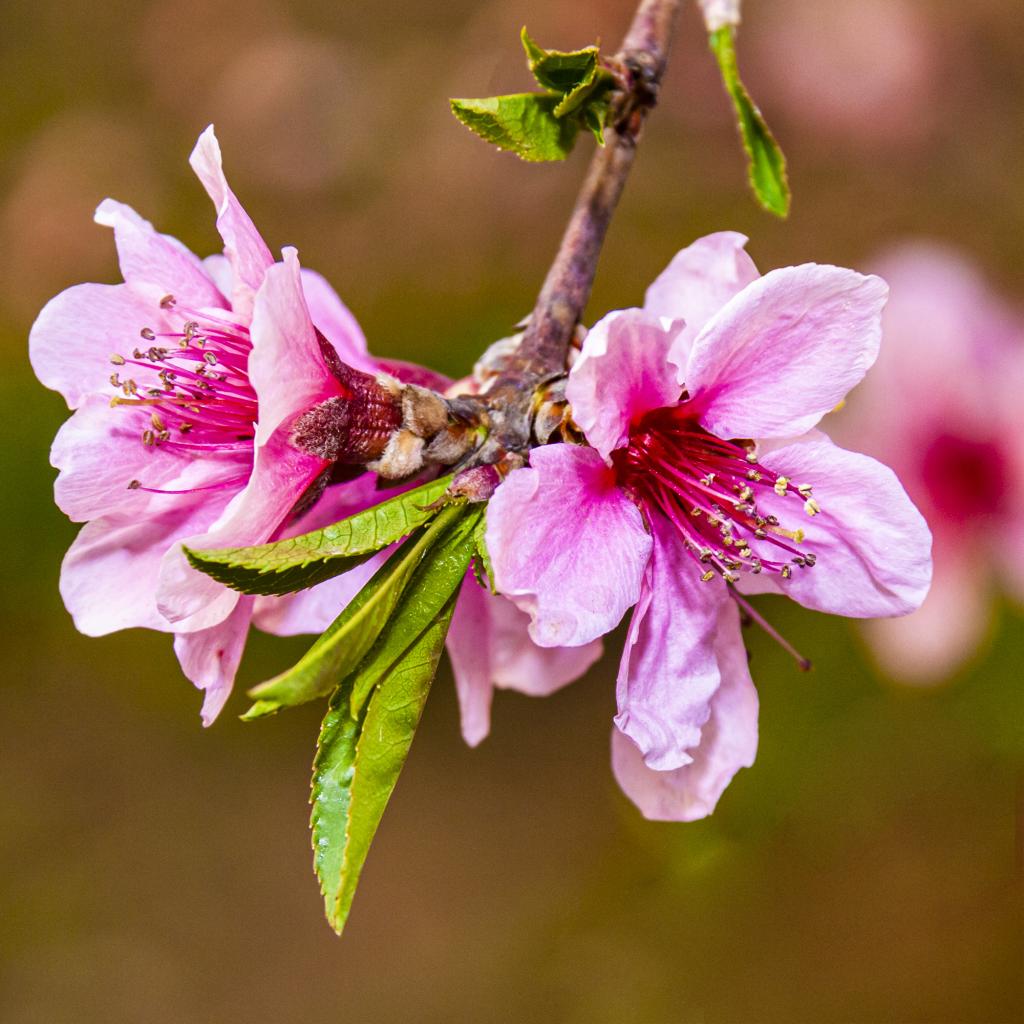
pixel 709 490
pixel 194 385
pixel 965 478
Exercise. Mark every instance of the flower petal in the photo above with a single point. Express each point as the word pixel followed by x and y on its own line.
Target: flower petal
pixel 873 547
pixel 699 281
pixel 489 647
pixel 243 244
pixel 109 576
pixel 669 670
pixel 930 644
pixel 154 264
pixel 286 365
pixel 210 657
pixel 567 545
pixel 728 742
pixel 785 350
pixel 280 476
pixel 621 373
pixel 335 322
pixel 77 332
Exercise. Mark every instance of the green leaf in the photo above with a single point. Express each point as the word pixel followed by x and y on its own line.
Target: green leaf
pixel 358 762
pixel 348 639
pixel 438 577
pixel 285 566
pixel 767 165
pixel 595 114
pixel 524 124
pixel 559 70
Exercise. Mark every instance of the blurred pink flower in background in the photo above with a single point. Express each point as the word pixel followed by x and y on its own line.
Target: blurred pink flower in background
pixel 191 438
pixel 943 407
pixel 669 512
pixel 865 73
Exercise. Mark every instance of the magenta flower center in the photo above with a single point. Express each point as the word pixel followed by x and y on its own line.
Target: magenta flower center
pixel 712 490
pixel 193 386
pixel 966 478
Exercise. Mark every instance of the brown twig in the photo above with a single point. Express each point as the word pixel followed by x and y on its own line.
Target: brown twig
pixel 566 288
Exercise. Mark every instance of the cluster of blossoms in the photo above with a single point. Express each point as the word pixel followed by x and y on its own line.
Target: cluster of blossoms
pixel 206 393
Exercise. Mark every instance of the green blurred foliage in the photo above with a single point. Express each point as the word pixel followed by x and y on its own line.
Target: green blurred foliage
pixel 864 870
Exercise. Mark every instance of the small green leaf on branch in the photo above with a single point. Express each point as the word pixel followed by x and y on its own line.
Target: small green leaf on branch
pixel 561 71
pixel 766 163
pixel 524 124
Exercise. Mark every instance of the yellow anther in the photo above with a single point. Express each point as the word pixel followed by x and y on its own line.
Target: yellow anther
pixel 708 576
pixel 811 507
pixel 781 485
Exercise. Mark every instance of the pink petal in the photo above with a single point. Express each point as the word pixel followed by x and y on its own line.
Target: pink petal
pixel 873 547
pixel 785 351
pixel 286 365
pixel 109 576
pixel 335 322
pixel 568 547
pixel 728 742
pixel 99 451
pixel 243 245
pixel 77 332
pixel 622 373
pixel 156 265
pixel 280 476
pixel 490 647
pixel 210 657
pixel 469 646
pixel 669 671
pixel 930 644
pixel 698 282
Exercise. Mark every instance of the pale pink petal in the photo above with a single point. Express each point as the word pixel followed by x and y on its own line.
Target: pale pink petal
pixel 109 576
pixel 334 320
pixel 99 451
pixel 698 282
pixel 210 657
pixel 873 547
pixel 243 245
pixel 219 269
pixel 489 646
pixel 930 644
pixel 286 366
pixel 785 351
pixel 567 545
pixel 728 742
pixel 156 265
pixel 669 670
pixel 77 332
pixel 281 474
pixel 621 373
pixel 470 647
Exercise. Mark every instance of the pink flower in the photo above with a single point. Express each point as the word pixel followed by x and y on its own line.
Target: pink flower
pixel 191 384
pixel 943 407
pixel 700 409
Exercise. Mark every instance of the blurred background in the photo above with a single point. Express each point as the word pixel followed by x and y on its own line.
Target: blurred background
pixel 865 870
